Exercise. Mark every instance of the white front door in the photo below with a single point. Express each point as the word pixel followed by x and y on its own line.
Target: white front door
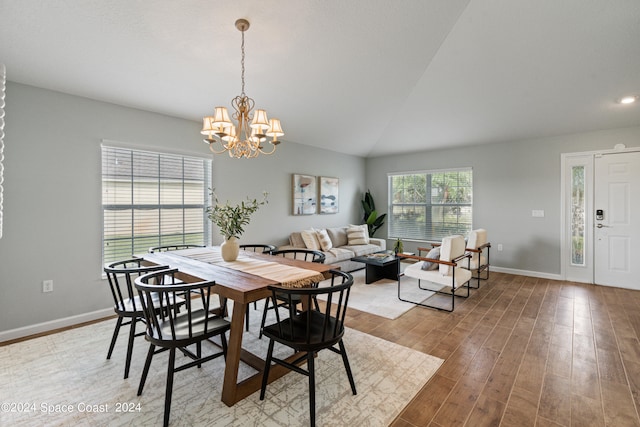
pixel 617 220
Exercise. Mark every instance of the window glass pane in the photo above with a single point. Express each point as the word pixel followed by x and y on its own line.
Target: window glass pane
pixel 430 205
pixel 578 218
pixel 151 199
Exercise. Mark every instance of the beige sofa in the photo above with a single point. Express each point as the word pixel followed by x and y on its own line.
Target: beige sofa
pixel 341 252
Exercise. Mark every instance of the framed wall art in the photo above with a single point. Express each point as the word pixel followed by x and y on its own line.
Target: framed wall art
pixel 329 201
pixel 305 194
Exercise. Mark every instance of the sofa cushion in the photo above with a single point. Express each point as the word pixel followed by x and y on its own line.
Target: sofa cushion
pixel 310 239
pixel 335 255
pixel 338 236
pixel 295 240
pixel 359 250
pixel 324 239
pixel 357 235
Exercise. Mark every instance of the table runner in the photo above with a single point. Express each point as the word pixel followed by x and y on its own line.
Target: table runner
pixel 288 276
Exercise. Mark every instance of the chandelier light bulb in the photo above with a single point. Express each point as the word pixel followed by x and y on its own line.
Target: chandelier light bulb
pixel 628 100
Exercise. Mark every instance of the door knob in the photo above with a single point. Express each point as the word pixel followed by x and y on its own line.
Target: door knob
pixel 601 225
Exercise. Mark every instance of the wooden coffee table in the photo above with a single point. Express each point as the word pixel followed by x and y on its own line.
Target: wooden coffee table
pixel 379 265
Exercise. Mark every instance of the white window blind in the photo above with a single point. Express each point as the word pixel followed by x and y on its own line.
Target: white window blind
pixel 152 199
pixel 430 205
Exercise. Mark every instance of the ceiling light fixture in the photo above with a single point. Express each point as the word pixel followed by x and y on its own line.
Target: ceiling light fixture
pixel 245 139
pixel 628 100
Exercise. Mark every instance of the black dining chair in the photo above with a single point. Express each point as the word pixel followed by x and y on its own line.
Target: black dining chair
pixel 126 303
pixel 262 248
pixel 173 326
pixel 310 331
pixel 299 254
pixel 165 248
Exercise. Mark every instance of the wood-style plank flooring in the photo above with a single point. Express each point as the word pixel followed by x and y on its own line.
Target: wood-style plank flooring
pixel 523 351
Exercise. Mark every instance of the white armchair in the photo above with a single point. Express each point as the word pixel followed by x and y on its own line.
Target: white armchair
pixel 448 271
pixel 479 248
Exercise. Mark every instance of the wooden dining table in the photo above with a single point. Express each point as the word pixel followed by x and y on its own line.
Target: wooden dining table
pixel 242 288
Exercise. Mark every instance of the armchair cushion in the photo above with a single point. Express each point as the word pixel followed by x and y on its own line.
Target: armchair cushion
pixel 434 276
pixel 433 254
pixel 477 238
pixel 451 248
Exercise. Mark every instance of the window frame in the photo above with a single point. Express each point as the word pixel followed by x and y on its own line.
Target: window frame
pixel 395 231
pixel 169 183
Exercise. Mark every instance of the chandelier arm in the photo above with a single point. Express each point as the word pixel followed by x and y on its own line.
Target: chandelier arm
pixel 224 147
pixel 268 153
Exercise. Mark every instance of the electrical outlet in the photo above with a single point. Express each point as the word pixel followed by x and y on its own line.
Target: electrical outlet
pixel 499 247
pixel 47 286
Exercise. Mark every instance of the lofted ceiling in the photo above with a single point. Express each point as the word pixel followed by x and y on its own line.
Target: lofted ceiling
pixel 362 77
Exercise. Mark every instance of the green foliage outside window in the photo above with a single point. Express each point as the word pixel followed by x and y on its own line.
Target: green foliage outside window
pixel 430 205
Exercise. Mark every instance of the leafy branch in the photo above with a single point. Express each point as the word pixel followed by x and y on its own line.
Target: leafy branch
pixel 231 219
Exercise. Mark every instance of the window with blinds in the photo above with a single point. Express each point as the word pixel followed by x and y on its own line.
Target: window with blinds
pixel 152 199
pixel 430 205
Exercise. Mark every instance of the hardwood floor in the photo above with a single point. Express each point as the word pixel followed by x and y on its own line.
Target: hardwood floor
pixel 523 351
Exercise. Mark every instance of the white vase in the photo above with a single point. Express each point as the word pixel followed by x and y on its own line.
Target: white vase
pixel 230 249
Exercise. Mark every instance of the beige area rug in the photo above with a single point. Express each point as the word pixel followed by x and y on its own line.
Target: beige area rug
pixel 64 379
pixel 381 297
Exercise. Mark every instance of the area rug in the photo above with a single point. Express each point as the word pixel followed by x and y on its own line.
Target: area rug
pixel 64 379
pixel 381 297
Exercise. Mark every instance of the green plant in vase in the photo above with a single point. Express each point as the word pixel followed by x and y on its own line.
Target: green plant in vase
pixel 231 220
pixel 398 246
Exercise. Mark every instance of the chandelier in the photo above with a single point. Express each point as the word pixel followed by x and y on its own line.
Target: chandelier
pixel 246 138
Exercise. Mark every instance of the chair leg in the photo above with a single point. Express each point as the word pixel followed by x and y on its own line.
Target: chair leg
pixel 167 396
pixel 345 360
pixel 199 352
pixel 145 370
pixel 246 319
pixel 267 367
pixel 264 316
pixel 116 331
pixel 312 388
pixel 132 335
pixel 223 341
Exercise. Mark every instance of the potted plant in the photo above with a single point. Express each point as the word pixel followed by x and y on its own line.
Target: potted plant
pixel 371 217
pixel 231 220
pixel 398 247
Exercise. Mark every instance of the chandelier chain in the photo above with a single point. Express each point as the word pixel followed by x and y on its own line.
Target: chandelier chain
pixel 242 63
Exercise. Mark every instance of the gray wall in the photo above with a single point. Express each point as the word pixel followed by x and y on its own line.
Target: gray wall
pixel 52 219
pixel 510 180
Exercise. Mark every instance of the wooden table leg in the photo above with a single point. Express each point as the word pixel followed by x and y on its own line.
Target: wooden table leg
pixel 230 384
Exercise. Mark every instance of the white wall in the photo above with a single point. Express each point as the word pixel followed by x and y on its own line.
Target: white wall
pixel 52 219
pixel 510 180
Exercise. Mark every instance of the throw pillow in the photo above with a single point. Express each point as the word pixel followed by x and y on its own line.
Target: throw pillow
pixel 357 235
pixel 310 239
pixel 324 240
pixel 433 254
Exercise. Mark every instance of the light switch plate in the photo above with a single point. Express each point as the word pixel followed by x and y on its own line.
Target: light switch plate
pixel 537 213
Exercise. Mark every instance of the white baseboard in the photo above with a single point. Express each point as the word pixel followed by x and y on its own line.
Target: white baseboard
pixel 538 274
pixel 25 331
